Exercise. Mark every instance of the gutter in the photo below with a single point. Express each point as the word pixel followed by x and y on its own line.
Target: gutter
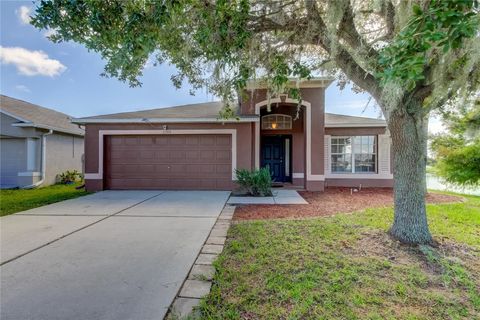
pixel 166 120
pixel 44 161
pixel 354 125
pixel 40 126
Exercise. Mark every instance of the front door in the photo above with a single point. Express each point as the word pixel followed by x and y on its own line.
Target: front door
pixel 273 156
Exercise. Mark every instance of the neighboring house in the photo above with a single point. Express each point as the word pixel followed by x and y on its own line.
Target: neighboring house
pixel 188 147
pixel 36 144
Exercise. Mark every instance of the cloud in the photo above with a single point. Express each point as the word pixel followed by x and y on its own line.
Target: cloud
pixel 435 125
pixel 356 104
pixel 31 63
pixel 21 87
pixel 24 14
pixel 49 32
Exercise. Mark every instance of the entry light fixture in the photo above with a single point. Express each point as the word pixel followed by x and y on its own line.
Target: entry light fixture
pixel 274 125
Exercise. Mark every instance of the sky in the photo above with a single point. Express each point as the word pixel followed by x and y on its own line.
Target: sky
pixel 66 77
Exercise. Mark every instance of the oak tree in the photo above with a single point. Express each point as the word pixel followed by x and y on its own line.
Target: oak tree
pixel 410 56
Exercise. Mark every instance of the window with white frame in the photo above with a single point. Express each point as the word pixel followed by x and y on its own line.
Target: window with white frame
pixel 353 154
pixel 276 122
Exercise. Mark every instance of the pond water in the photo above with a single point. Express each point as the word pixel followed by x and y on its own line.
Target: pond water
pixel 435 183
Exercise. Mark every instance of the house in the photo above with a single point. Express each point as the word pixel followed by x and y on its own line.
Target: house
pixel 188 147
pixel 36 144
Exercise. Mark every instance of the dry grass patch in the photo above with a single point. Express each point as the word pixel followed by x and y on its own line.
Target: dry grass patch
pixel 347 267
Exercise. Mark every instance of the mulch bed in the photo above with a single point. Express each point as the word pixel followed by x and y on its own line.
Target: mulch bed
pixel 329 202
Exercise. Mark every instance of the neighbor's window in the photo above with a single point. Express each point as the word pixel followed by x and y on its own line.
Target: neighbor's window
pixel 353 154
pixel 276 122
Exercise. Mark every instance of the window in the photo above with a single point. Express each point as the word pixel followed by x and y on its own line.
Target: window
pixel 31 154
pixel 276 122
pixel 353 154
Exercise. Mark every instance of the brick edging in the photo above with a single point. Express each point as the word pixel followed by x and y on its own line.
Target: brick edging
pixel 199 280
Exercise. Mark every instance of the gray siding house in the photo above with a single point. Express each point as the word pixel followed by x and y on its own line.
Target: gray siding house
pixel 36 144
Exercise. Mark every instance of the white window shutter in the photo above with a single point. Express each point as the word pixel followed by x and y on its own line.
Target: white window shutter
pixel 383 154
pixel 326 154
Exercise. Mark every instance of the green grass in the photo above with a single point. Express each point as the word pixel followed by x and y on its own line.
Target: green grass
pixel 346 267
pixel 12 201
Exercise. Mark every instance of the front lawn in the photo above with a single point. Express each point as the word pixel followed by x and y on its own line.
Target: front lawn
pixel 12 201
pixel 346 267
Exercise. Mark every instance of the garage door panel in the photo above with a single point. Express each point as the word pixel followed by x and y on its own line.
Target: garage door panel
pixel 223 140
pixel 124 154
pixel 125 170
pixel 223 155
pixel 146 140
pixel 207 140
pixel 131 141
pixel 223 169
pixel 138 183
pixel 168 162
pixel 180 184
pixel 193 155
pixel 191 140
pixel 161 140
pixel 177 155
pixel 200 168
pixel 147 155
pixel 207 155
pixel 116 140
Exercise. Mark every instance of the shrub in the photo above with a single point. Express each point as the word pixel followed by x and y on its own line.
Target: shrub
pixel 69 177
pixel 257 182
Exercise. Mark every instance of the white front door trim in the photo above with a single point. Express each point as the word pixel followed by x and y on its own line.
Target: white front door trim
pixel 103 133
pixel 308 155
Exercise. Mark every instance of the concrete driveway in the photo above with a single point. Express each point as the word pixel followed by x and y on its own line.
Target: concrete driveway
pixel 110 255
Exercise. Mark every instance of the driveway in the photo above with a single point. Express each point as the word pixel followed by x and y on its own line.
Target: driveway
pixel 110 255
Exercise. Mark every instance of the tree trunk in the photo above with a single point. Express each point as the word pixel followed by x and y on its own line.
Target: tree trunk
pixel 409 144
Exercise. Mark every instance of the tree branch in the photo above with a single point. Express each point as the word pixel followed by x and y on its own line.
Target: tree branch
pixel 388 11
pixel 342 57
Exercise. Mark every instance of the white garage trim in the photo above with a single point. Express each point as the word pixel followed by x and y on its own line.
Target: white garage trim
pixel 308 155
pixel 103 133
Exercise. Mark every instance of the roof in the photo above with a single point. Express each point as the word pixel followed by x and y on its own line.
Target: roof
pixel 333 120
pixel 199 112
pixel 209 112
pixel 32 115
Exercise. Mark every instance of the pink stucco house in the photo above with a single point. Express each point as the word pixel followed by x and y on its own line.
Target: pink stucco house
pixel 188 147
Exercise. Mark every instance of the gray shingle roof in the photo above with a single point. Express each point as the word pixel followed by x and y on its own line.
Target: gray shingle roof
pixel 210 110
pixel 339 120
pixel 37 116
pixel 198 110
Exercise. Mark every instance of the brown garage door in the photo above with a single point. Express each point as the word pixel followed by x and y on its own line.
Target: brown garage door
pixel 168 162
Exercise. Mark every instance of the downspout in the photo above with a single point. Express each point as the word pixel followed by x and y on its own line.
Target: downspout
pixel 44 161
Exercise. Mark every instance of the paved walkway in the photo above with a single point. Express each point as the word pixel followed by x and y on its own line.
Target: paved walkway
pixel 279 197
pixel 111 255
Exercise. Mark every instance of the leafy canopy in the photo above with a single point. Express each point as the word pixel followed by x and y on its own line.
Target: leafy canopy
pixel 427 50
pixel 457 152
pixel 431 32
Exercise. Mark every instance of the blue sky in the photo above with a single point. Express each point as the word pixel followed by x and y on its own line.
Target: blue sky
pixel 66 77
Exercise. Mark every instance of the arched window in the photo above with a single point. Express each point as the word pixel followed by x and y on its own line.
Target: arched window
pixel 276 122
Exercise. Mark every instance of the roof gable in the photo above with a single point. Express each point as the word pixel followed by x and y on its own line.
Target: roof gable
pixel 29 114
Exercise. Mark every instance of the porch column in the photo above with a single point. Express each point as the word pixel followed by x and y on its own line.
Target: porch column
pixel 315 132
